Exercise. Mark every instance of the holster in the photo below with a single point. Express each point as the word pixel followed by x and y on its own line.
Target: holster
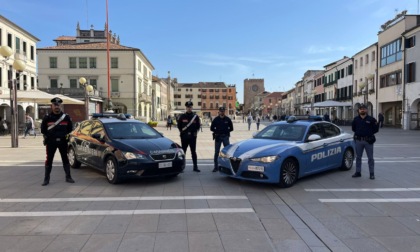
pixel 371 139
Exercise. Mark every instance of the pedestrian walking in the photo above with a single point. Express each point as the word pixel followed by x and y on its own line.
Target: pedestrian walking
pixel 201 123
pixel 249 120
pixel 55 127
pixel 381 119
pixel 258 120
pixel 29 126
pixel 221 127
pixel 169 123
pixel 189 125
pixel 364 127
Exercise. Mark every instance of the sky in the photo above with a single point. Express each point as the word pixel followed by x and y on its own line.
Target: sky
pixel 221 40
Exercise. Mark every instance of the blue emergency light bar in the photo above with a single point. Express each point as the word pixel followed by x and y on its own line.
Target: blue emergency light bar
pixel 120 116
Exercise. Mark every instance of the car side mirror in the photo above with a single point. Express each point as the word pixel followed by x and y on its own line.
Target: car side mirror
pixel 254 134
pixel 314 137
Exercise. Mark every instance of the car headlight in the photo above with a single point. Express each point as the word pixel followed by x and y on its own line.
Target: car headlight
pixel 131 155
pixel 180 154
pixel 223 155
pixel 267 159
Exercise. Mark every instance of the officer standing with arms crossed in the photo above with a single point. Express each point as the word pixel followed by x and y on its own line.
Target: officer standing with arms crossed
pixel 364 128
pixel 55 128
pixel 221 126
pixel 189 125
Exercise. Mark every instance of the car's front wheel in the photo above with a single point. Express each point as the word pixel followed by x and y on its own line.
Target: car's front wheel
pixel 71 154
pixel 111 170
pixel 347 162
pixel 289 173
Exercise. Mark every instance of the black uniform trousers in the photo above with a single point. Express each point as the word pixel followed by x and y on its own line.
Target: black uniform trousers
pixel 189 140
pixel 51 147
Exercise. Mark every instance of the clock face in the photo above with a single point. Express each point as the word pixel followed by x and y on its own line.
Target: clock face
pixel 255 88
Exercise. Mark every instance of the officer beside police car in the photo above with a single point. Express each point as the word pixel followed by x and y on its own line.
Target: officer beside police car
pixel 55 127
pixel 189 125
pixel 364 127
pixel 221 126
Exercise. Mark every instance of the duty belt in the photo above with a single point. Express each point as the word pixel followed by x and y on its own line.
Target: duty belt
pixel 359 138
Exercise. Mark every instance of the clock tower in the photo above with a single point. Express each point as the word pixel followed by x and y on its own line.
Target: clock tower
pixel 252 87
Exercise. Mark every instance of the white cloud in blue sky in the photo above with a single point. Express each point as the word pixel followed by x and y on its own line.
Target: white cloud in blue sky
pixel 221 40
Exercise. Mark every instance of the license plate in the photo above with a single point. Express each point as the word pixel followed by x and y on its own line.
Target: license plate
pixel 255 168
pixel 165 165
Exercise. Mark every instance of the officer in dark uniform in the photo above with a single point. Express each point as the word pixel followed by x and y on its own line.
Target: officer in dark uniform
pixel 364 128
pixel 221 126
pixel 55 127
pixel 189 125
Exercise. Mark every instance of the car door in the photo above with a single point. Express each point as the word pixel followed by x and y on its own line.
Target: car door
pixel 315 158
pixel 96 146
pixel 82 140
pixel 333 145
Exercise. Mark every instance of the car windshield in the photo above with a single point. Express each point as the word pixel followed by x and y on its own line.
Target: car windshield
pixel 131 130
pixel 288 132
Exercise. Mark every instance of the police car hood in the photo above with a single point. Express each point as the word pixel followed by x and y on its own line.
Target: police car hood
pixel 144 145
pixel 257 148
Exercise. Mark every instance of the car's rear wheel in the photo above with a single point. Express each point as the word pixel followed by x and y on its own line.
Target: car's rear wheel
pixel 71 154
pixel 289 173
pixel 347 162
pixel 111 170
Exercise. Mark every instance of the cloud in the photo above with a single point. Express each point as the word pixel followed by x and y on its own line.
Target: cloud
pixel 325 49
pixel 303 63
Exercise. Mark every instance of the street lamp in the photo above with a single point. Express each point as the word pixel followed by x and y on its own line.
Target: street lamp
pixel 19 64
pixel 88 88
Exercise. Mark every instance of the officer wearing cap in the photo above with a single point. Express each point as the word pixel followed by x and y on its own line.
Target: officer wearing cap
pixel 221 126
pixel 188 125
pixel 364 127
pixel 55 127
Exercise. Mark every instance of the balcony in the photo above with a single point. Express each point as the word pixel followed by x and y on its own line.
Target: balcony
pixel 71 92
pixel 115 94
pixel 145 98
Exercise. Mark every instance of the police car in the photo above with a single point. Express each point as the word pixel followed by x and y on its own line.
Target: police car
pixel 123 147
pixel 287 150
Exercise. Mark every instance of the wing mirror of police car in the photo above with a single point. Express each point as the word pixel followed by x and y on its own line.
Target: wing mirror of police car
pixel 314 137
pixel 98 137
pixel 254 134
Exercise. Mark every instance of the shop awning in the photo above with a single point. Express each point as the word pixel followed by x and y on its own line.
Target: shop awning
pixel 332 104
pixel 38 96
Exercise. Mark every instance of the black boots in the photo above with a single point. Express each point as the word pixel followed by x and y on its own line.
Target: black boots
pixel 47 175
pixel 358 174
pixel 196 168
pixel 215 169
pixel 48 172
pixel 68 176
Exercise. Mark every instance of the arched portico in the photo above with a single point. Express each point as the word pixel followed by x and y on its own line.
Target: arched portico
pixel 414 115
